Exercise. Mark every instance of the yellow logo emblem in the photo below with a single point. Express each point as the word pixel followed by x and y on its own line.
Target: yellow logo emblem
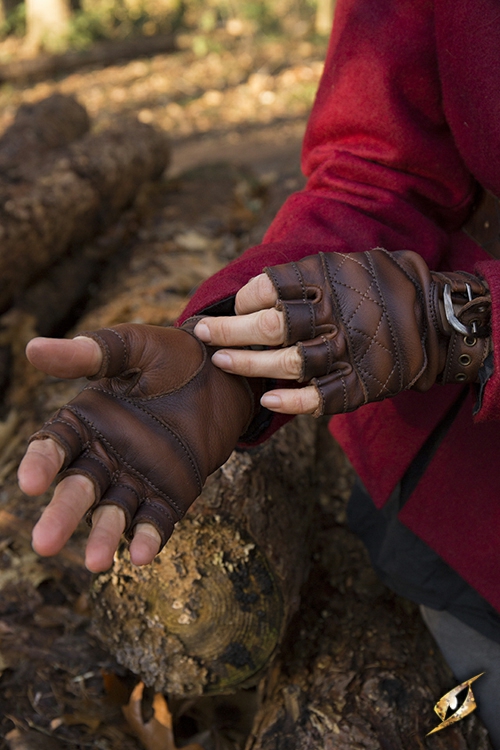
pixel 449 702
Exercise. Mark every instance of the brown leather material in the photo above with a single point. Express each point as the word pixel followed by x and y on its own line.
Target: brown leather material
pixel 160 419
pixel 376 324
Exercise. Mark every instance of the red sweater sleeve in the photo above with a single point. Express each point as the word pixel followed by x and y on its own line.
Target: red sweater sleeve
pixel 383 167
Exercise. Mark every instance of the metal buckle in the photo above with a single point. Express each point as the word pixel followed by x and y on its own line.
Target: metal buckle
pixel 450 312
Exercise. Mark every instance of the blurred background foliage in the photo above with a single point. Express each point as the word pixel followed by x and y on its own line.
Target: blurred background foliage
pixel 57 25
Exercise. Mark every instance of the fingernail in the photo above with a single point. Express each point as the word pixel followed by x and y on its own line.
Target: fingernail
pixel 222 360
pixel 203 332
pixel 270 401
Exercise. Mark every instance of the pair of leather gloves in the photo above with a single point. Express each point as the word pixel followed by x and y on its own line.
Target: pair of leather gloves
pixel 159 417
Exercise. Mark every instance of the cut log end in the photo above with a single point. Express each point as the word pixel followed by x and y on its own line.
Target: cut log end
pixel 209 601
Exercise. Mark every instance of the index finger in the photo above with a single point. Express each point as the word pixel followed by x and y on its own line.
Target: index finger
pixel 261 328
pixel 258 294
pixel 40 465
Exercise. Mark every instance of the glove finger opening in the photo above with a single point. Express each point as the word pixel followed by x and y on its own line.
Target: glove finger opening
pixel 66 430
pixel 156 512
pixel 95 468
pixel 114 352
pixel 124 496
pixel 299 321
pixel 321 356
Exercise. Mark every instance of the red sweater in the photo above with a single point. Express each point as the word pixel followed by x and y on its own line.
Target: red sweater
pixel 405 126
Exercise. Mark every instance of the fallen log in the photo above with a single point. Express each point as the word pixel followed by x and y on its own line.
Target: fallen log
pixel 54 301
pixel 75 197
pixel 103 53
pixel 210 611
pixel 37 130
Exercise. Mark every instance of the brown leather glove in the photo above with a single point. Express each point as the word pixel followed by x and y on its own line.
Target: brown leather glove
pixel 369 325
pixel 156 421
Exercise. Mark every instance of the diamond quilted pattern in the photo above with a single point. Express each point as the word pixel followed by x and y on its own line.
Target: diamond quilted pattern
pixel 372 342
pixel 367 325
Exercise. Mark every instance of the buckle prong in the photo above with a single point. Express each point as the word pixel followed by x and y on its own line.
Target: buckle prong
pixel 450 312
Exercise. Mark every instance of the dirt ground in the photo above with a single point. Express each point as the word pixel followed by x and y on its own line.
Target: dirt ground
pixel 236 117
pixel 237 112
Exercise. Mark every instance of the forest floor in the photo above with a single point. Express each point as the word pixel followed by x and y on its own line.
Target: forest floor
pixel 236 113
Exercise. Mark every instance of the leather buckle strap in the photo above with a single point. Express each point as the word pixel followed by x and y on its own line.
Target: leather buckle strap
pixel 474 328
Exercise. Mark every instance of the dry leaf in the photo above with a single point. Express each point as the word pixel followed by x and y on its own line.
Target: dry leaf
pixel 117 691
pixel 88 720
pixel 157 733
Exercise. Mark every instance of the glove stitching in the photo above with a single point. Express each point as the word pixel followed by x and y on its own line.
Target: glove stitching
pixel 83 445
pixel 396 348
pixel 422 301
pixel 321 406
pixel 89 457
pixel 124 344
pixel 367 372
pixel 47 433
pixel 204 361
pixel 122 503
pixel 152 502
pixel 127 487
pixel 329 354
pixel 145 517
pixel 364 296
pixel 362 372
pixel 106 354
pixel 272 276
pixel 430 305
pixel 135 471
pixel 162 424
pixel 371 338
pixel 333 282
pixel 284 309
pixel 303 353
pixel 301 281
pixel 344 388
pixel 312 319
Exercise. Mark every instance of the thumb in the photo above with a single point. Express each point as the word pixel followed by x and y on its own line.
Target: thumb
pixel 65 358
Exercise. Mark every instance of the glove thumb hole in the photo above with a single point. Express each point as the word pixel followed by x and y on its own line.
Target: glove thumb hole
pixel 109 358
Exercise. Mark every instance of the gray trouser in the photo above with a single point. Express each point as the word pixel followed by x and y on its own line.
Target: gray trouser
pixel 468 653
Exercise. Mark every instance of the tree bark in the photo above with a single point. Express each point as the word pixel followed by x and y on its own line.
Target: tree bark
pixel 208 614
pixel 76 196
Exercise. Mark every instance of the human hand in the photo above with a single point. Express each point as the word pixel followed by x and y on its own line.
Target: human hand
pixel 137 444
pixel 259 322
pixel 359 327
